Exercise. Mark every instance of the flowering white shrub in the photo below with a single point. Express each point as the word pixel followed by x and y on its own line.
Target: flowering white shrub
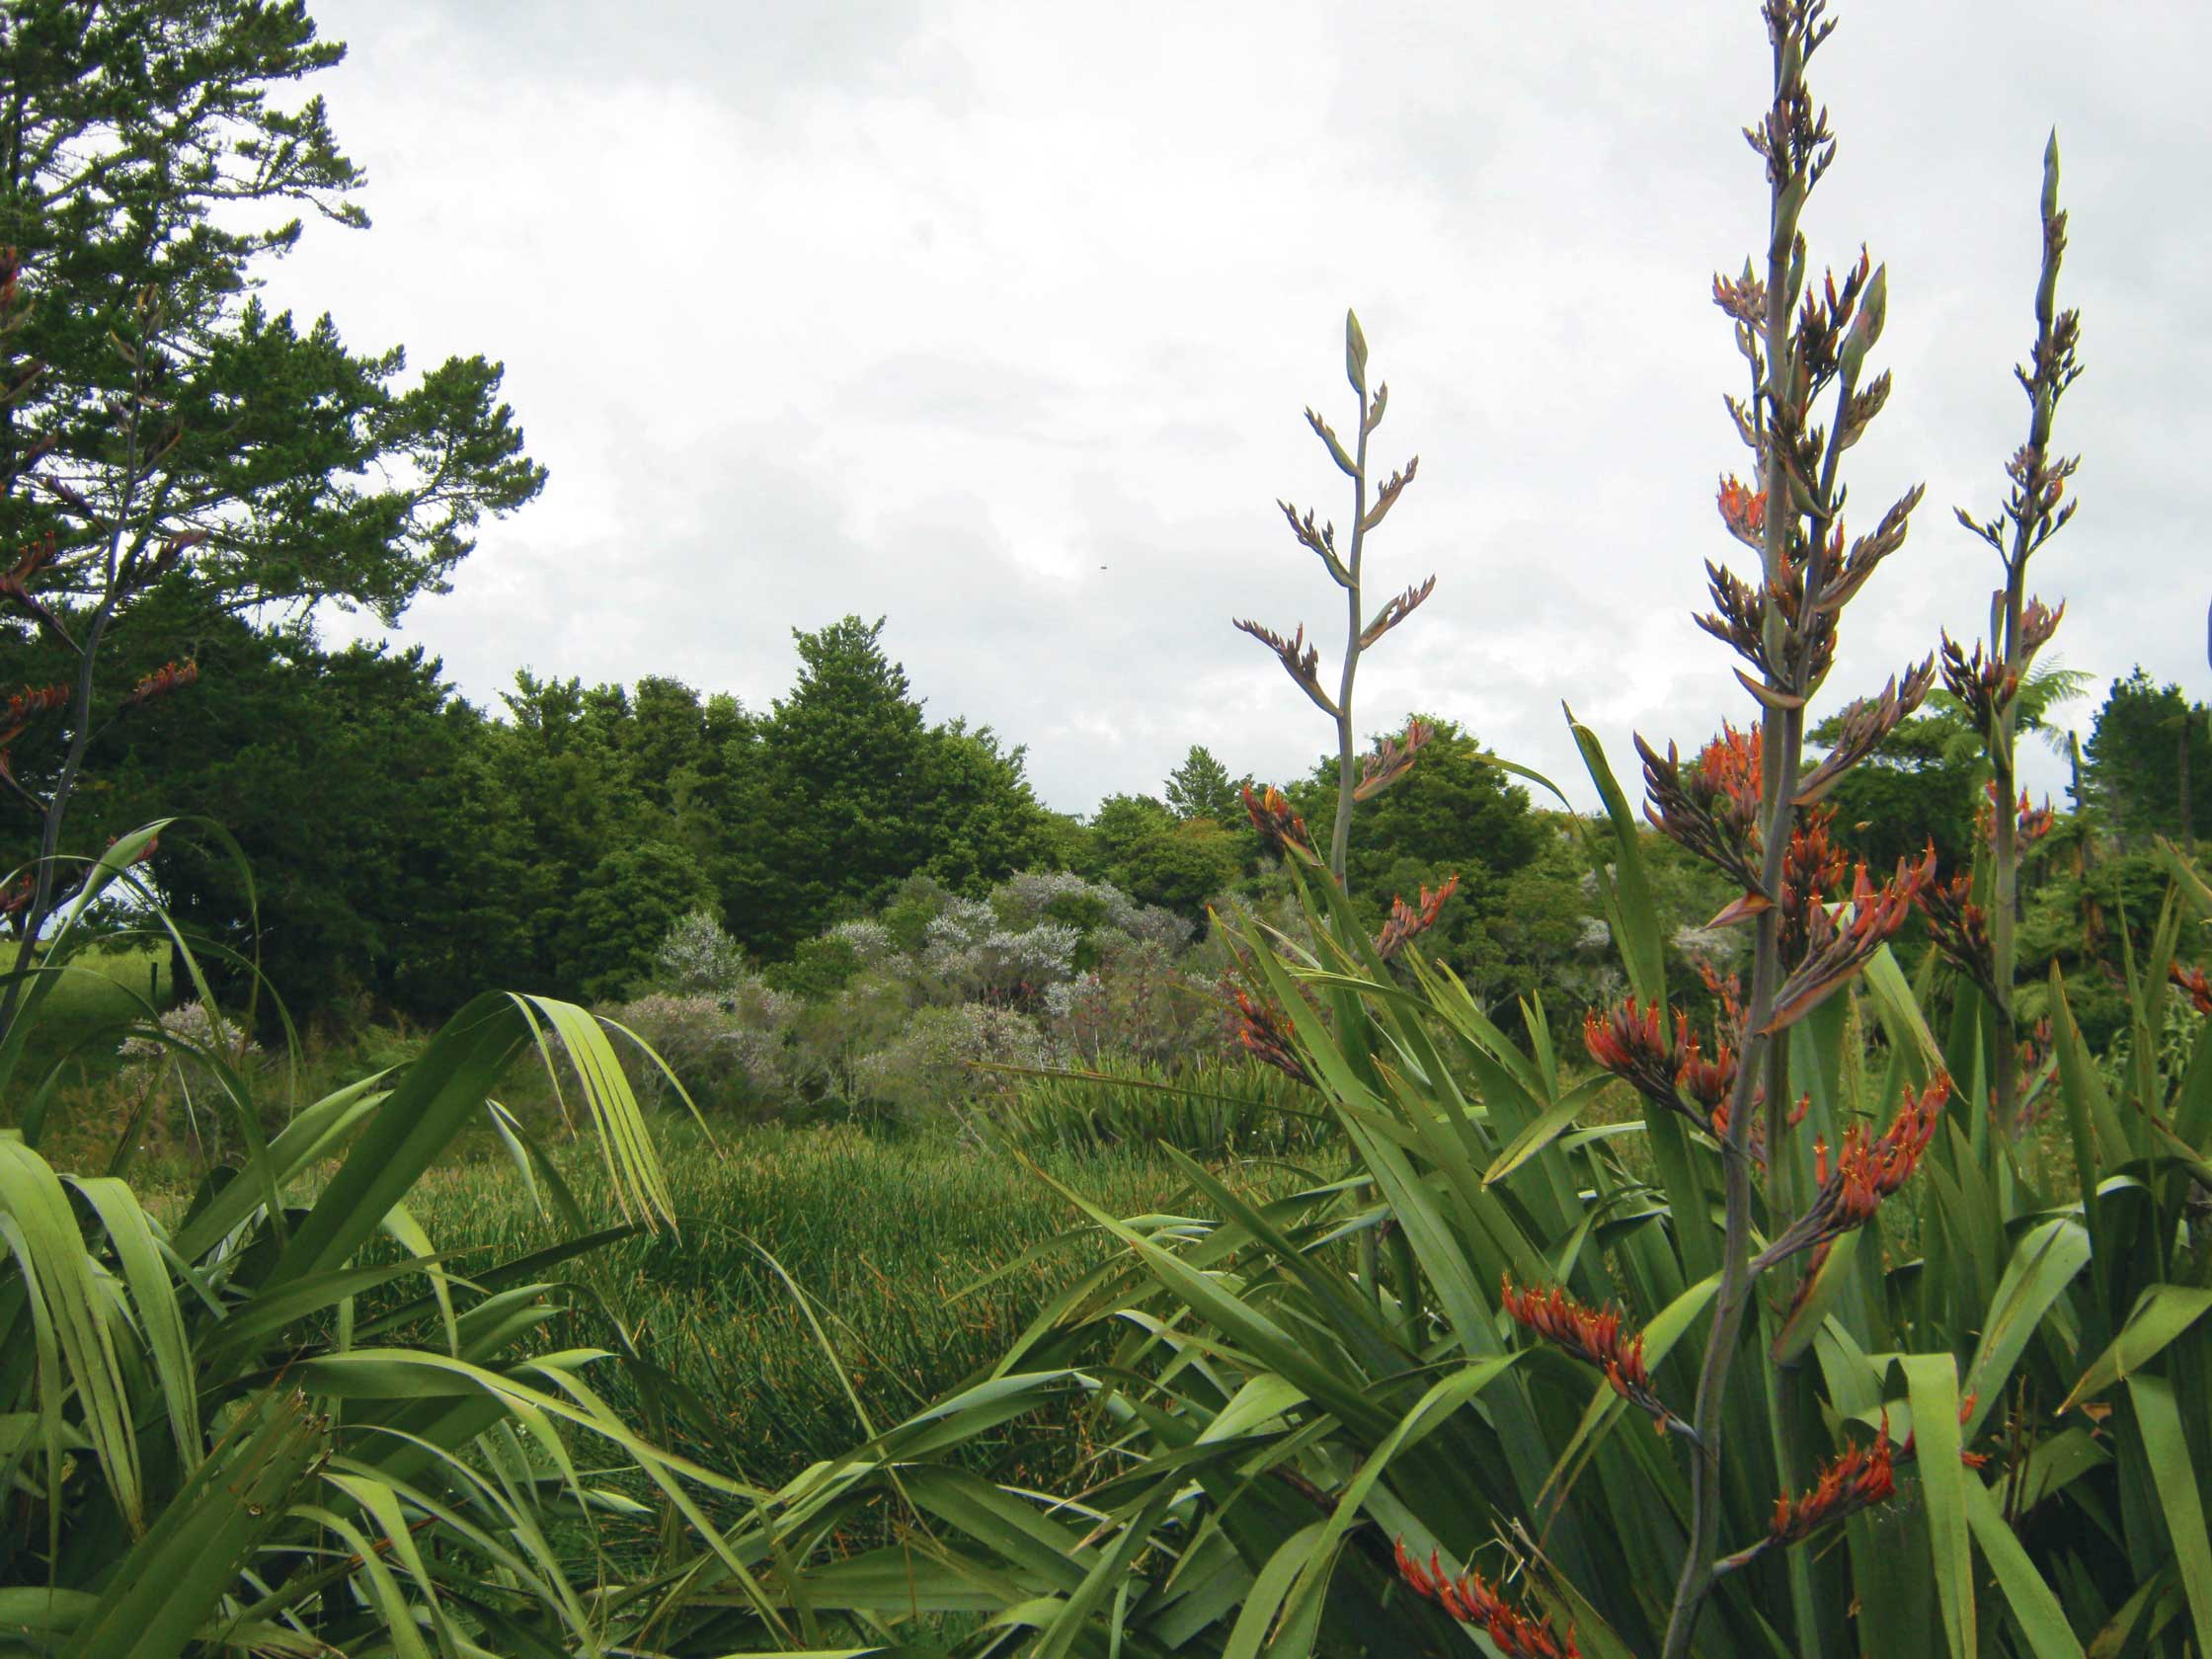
pixel 196 1023
pixel 976 957
pixel 1153 926
pixel 1024 900
pixel 1021 900
pixel 728 1051
pixel 1136 1005
pixel 699 958
pixel 931 1063
pixel 871 942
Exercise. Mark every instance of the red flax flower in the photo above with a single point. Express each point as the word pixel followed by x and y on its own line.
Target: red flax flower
pixel 1672 1070
pixel 1406 920
pixel 1959 928
pixel 1814 868
pixel 1860 1478
pixel 1744 510
pixel 1633 1044
pixel 2193 980
pixel 1471 1600
pixel 1711 806
pixel 1260 1029
pixel 1840 948
pixel 169 676
pixel 2032 823
pixel 1596 1337
pixel 1272 816
pixel 27 705
pixel 1709 1083
pixel 1866 1174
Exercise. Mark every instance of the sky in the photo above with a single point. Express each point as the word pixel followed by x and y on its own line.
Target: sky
pixel 998 320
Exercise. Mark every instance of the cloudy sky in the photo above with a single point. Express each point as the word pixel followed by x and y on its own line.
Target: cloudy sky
pixel 997 320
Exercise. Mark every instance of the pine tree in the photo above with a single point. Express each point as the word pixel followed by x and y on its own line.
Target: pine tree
pixel 148 174
pixel 1201 787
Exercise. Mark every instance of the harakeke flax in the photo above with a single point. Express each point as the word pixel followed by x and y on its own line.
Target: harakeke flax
pixel 1743 815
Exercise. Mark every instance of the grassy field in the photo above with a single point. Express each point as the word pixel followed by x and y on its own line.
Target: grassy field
pixel 883 1237
pixel 98 989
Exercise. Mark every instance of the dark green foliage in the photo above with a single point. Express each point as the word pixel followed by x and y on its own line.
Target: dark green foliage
pixel 2076 919
pixel 1119 827
pixel 1921 786
pixel 914 904
pixel 1452 814
pixel 819 969
pixel 1140 845
pixel 629 900
pixel 2150 761
pixel 860 793
pixel 845 754
pixel 386 855
pixel 140 149
pixel 1201 787
pixel 978 818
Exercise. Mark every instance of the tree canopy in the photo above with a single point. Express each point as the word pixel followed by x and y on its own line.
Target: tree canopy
pixel 2150 761
pixel 149 171
pixel 1201 787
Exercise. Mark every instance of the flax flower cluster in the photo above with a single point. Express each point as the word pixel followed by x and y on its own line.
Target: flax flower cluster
pixel 1857 1479
pixel 1471 1600
pixel 1866 1172
pixel 2193 982
pixel 1271 814
pixel 1596 1336
pixel 1407 921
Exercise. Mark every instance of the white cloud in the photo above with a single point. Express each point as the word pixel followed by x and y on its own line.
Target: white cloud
pixel 931 312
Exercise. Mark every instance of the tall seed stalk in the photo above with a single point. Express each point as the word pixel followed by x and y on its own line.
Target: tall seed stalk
pixel 2019 626
pixel 1356 779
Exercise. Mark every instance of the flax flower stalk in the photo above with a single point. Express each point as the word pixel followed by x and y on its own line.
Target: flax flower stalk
pixel 1785 630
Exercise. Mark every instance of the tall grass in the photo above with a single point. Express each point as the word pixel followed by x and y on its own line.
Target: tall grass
pixel 826 1283
pixel 1214 1108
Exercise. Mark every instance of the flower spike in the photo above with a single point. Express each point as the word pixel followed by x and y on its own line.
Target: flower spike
pixel 1857 1479
pixel 1850 943
pixel 1471 1600
pixel 1271 814
pixel 1866 1172
pixel 1261 1030
pixel 1407 919
pixel 1597 1338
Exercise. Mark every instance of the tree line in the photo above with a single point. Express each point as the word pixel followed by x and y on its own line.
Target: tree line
pixel 385 845
pixel 186 475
